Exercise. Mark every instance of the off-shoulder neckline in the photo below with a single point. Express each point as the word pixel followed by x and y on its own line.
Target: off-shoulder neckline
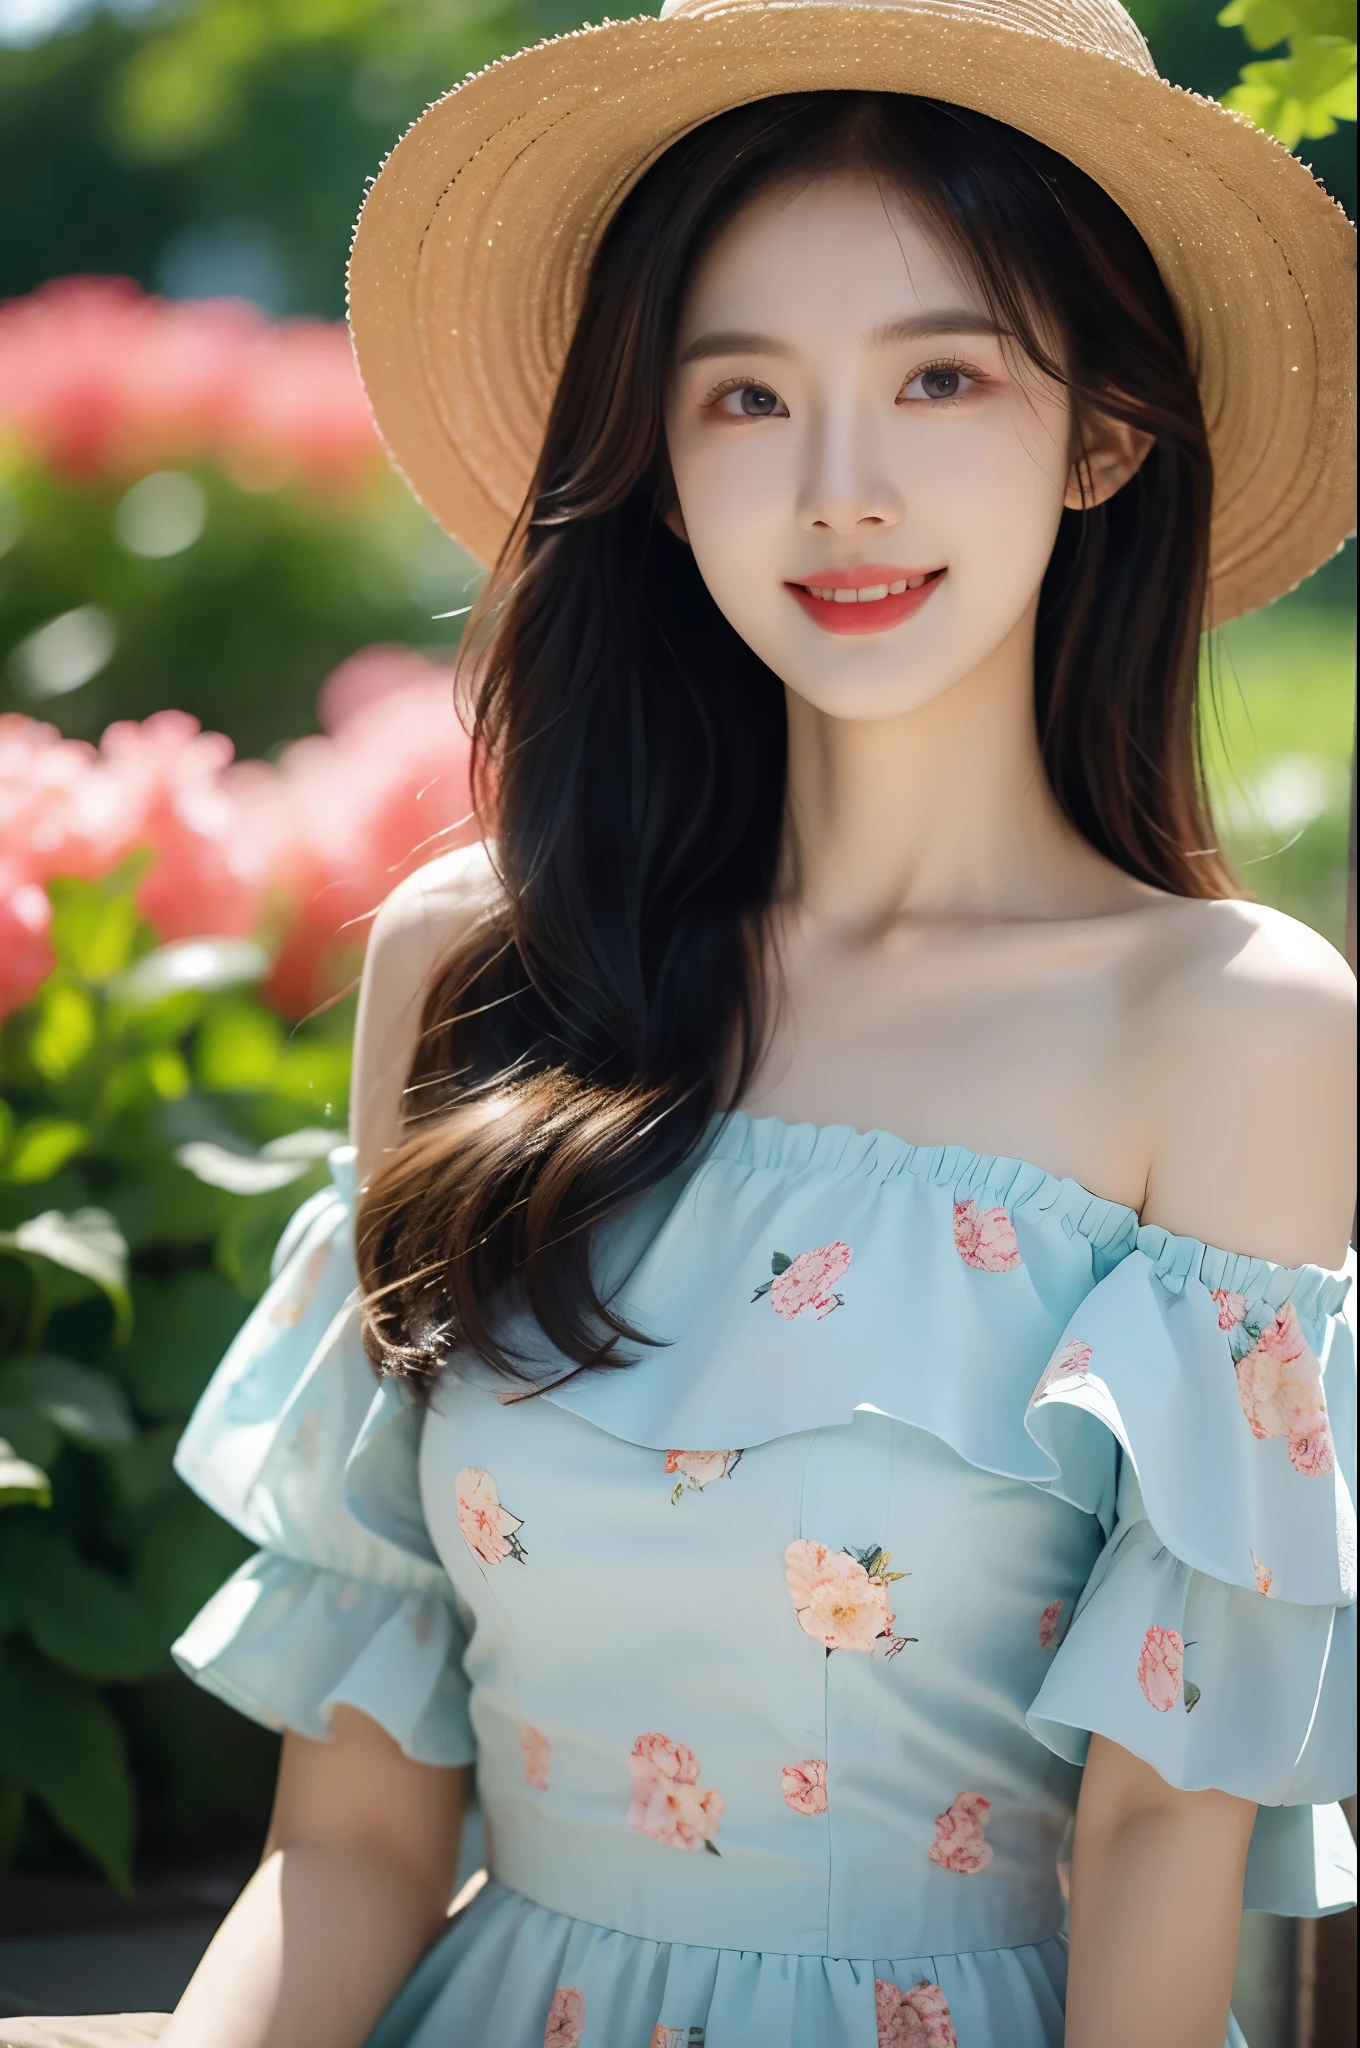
pixel 1112 1228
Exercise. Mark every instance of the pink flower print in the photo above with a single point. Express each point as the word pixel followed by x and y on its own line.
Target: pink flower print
pixel 985 1238
pixel 489 1530
pixel 537 1757
pixel 807 1282
pixel 841 1597
pixel 699 1469
pixel 566 2018
pixel 1073 1362
pixel 1279 1382
pixel 1265 1578
pixel 1050 1624
pixel 959 1843
pixel 1232 1308
pixel 805 1786
pixel 918 2018
pixel 666 1803
pixel 1160 1665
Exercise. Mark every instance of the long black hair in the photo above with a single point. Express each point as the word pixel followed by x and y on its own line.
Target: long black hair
pixel 631 748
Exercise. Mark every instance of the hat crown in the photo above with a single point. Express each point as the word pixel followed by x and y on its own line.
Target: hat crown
pixel 1101 26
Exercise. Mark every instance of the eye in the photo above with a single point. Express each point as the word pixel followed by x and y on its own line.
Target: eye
pixel 743 401
pixel 938 383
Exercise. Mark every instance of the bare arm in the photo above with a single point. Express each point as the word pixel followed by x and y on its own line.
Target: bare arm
pixel 359 1863
pixel 1252 1039
pixel 354 1885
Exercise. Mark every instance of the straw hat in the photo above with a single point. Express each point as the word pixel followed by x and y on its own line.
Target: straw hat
pixel 473 247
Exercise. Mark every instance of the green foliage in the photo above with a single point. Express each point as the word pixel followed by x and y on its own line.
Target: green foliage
pixel 240 625
pixel 144 1178
pixel 1304 95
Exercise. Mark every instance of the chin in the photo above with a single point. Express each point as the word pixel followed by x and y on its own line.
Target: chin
pixel 865 698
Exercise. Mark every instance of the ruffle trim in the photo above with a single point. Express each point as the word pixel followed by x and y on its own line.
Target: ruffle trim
pixel 288 1643
pixel 1111 1228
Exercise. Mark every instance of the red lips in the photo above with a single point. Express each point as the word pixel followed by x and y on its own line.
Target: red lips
pixel 876 615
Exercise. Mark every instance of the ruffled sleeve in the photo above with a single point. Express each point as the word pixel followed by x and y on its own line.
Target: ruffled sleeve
pixel 1203 1407
pixel 296 1444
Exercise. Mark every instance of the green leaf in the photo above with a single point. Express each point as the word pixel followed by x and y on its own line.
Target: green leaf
pixel 1191 1694
pixel 22 1484
pixel 205 965
pixel 238 1048
pixel 87 1242
pixel 60 1742
pixel 237 1173
pixel 1267 22
pixel 94 926
pixel 42 1147
pixel 1302 95
pixel 780 1263
pixel 64 1033
pixel 30 1436
pixel 143 1472
pixel 187 1555
pixel 84 1405
pixel 82 1616
pixel 184 1323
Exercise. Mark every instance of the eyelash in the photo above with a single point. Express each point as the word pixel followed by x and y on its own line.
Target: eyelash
pixel 967 370
pixel 975 376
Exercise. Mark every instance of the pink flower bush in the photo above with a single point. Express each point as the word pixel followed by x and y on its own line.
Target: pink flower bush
pixel 918 2018
pixel 985 1238
pixel 1161 1662
pixel 665 1802
pixel 1232 1308
pixel 839 1602
pixel 1050 1624
pixel 805 1786
pixel 960 1844
pixel 490 1531
pixel 1071 1363
pixel 807 1282
pixel 25 955
pixel 698 1469
pixel 566 2018
pixel 1280 1384
pixel 537 1757
pixel 302 852
pixel 99 380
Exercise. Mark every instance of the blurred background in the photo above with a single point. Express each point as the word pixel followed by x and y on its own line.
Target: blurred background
pixel 225 731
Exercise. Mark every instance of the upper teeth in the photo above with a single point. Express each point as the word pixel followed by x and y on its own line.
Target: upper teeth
pixel 870 594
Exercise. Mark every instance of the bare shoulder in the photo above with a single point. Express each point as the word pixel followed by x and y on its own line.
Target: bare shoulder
pixel 416 928
pixel 426 912
pixel 1249 1021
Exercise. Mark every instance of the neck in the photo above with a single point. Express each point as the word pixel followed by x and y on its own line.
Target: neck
pixel 943 812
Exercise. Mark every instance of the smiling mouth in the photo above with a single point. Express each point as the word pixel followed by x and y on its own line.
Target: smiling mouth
pixel 868 600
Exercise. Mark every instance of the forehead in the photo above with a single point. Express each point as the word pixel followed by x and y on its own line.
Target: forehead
pixel 827 253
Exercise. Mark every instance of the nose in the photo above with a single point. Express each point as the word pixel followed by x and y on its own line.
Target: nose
pixel 845 489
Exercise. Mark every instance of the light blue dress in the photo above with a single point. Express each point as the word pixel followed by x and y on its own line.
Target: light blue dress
pixel 778 1651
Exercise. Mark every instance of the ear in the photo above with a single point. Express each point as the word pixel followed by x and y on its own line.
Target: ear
pixel 1111 453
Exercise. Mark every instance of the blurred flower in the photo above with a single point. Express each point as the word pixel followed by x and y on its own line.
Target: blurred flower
pixel 25 955
pixel 97 379
pixel 353 810
pixel 304 850
pixel 209 874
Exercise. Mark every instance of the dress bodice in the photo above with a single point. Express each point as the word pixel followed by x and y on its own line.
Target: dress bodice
pixel 789 1636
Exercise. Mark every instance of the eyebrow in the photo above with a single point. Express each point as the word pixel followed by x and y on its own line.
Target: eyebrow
pixel 728 341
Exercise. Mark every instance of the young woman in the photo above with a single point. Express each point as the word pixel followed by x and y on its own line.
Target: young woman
pixel 811 1419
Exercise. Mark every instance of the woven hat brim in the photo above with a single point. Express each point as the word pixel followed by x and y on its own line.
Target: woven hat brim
pixel 473 248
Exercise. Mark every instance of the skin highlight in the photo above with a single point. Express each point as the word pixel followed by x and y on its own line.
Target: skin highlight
pixel 931 887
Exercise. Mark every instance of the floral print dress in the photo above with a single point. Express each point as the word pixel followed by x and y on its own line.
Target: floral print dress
pixel 778 1652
